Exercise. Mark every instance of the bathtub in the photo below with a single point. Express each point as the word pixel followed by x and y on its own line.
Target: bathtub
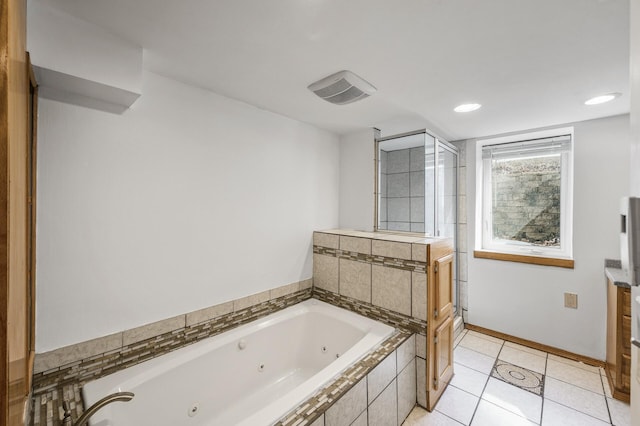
pixel 252 375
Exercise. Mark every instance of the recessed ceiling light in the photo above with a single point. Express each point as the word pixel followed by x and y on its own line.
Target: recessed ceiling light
pixel 602 99
pixel 467 107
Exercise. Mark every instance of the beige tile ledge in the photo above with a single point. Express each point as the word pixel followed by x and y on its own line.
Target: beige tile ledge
pixel 68 354
pixel 393 249
pixel 381 235
pixel 74 353
pixel 202 315
pixel 355 244
pixel 157 328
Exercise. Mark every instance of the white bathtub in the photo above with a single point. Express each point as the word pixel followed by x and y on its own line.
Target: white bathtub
pixel 288 356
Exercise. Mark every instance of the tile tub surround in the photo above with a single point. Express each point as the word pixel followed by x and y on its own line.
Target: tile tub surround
pixel 62 373
pixel 379 389
pixel 383 276
pixel 393 319
pixel 385 270
pixel 47 402
pixel 80 363
pixel 369 310
pixel 389 368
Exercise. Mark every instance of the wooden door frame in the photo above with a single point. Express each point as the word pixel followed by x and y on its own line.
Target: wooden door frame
pixel 32 168
pixel 17 132
pixel 4 216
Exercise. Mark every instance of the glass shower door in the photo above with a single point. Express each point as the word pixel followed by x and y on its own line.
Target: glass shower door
pixel 416 190
pixel 447 203
pixel 430 208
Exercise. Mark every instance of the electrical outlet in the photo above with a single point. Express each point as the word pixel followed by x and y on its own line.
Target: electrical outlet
pixel 571 300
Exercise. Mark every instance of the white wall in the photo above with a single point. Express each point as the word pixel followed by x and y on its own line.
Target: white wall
pixel 527 300
pixel 635 98
pixel 186 200
pixel 357 153
pixel 65 44
pixel 635 179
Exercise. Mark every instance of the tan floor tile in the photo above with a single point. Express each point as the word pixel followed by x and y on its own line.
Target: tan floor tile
pixel 620 412
pixel 577 398
pixel 481 345
pixel 525 349
pixel 489 414
pixel 486 337
pixel 554 414
pixel 523 359
pixel 575 376
pixel 468 379
pixel 472 359
pixel 518 401
pixel 576 364
pixel 457 404
pixel 421 417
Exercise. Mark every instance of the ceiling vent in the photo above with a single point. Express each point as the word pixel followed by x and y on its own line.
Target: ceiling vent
pixel 342 88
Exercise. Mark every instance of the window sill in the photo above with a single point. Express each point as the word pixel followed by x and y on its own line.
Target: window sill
pixel 535 260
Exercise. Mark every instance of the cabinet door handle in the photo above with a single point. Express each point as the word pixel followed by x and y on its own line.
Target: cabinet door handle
pixel 635 342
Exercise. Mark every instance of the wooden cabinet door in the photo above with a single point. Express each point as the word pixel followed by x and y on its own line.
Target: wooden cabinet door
pixel 443 281
pixel 442 359
pixel 440 329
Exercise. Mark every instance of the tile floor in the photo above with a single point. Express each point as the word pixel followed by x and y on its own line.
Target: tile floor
pixel 503 383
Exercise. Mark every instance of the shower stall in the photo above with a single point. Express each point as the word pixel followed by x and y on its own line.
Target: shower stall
pixel 417 188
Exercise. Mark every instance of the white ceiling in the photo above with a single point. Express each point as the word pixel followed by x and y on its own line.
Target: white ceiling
pixel 530 63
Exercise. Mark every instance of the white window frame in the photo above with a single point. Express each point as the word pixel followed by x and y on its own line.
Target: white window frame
pixel 484 231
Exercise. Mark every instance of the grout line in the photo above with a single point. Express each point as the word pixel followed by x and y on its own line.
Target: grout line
pixel 606 400
pixel 447 416
pixel 485 385
pixel 578 386
pixel 521 415
pixel 544 382
pixel 338 265
pixel 577 411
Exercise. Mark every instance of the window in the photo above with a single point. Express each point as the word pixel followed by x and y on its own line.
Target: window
pixel 524 196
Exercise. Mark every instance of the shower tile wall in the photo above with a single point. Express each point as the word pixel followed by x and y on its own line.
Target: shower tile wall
pixel 447 181
pixel 402 196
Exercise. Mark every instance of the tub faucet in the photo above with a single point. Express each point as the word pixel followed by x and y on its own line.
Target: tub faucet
pixel 84 418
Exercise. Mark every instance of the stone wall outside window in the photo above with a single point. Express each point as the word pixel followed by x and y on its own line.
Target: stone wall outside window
pixel 526 200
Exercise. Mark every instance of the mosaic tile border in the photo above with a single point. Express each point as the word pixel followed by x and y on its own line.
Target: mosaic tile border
pixel 369 310
pixel 391 262
pixel 47 407
pixel 87 369
pixel 307 412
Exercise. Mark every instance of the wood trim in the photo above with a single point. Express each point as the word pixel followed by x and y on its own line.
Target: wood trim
pixel 4 216
pixel 14 287
pixel 534 260
pixel 32 151
pixel 539 346
pixel 617 394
